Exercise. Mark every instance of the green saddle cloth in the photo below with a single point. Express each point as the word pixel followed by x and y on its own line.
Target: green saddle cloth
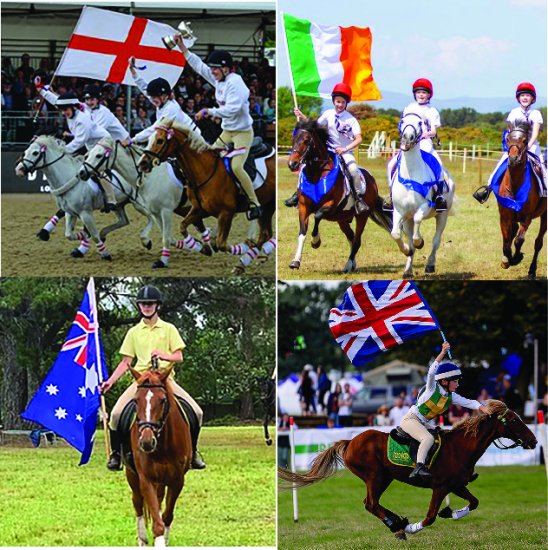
pixel 401 454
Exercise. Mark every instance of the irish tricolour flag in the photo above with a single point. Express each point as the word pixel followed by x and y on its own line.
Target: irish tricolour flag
pixel 322 56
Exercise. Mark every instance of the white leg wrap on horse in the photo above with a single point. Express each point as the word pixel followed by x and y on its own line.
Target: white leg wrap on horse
pixel 160 541
pixel 52 224
pixel 413 528
pixel 238 249
pixel 102 248
pixel 189 243
pixel 84 246
pixel 165 256
pixel 81 235
pixel 206 236
pixel 269 246
pixel 249 256
pixel 461 512
pixel 166 534
pixel 141 530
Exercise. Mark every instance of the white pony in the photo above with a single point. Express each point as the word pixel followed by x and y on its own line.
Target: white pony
pixel 76 197
pixel 412 189
pixel 157 191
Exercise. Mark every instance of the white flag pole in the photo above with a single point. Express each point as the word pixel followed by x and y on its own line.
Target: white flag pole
pixel 445 340
pixel 293 469
pixel 104 414
pixel 289 63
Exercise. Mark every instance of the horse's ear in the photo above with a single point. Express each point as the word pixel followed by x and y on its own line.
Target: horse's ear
pixel 165 373
pixel 136 374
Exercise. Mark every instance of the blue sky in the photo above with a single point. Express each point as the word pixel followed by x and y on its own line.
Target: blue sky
pixel 468 48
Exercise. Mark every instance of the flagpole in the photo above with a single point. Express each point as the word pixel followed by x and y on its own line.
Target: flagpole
pixel 293 469
pixel 289 63
pixel 445 340
pixel 104 413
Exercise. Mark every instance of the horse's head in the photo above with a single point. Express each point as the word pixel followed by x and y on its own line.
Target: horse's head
pixel 410 129
pixel 34 156
pixel 308 141
pixel 100 158
pixel 517 140
pixel 152 399
pixel 161 145
pixel 511 426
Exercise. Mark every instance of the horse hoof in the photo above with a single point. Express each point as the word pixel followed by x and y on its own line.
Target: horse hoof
pixel 158 264
pixel 316 244
pixel 238 270
pixel 295 264
pixel 400 535
pixel 430 269
pixel 446 513
pixel 517 258
pixel 350 267
pixel 268 442
pixel 532 276
pixel 505 265
pixel 419 244
pixel 76 253
pixel 43 235
pixel 107 258
pixel 206 250
pixel 148 245
pixel 408 275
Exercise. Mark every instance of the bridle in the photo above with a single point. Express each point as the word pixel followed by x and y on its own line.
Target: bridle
pixel 521 149
pixel 30 166
pixel 403 125
pixel 170 134
pixel 310 148
pixel 502 418
pixel 156 427
pixel 108 153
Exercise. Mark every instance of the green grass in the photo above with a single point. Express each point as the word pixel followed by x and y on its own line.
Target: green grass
pixel 511 515
pixel 471 245
pixel 47 500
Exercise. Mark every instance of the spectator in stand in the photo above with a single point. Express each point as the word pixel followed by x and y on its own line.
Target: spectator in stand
pixel 313 377
pixel 457 413
pixel 8 71
pixel 142 121
pixel 345 406
pixel 25 67
pixel 270 111
pixel 333 403
pixel 7 95
pixel 499 384
pixel 330 424
pixel 483 395
pixel 382 417
pixel 512 398
pixel 120 115
pixel 411 399
pixel 324 385
pixel 397 412
pixel 284 445
pixel 18 91
pixel 45 69
pixel 190 107
pixel 306 393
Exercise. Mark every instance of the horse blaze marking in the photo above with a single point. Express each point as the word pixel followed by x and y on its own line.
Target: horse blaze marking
pixel 149 397
pixel 124 50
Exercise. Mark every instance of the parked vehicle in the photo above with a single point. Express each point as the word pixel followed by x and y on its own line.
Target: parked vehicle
pixel 370 398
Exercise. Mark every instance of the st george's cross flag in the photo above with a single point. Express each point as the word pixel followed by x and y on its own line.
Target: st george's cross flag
pixel 68 399
pixel 322 56
pixel 103 42
pixel 375 316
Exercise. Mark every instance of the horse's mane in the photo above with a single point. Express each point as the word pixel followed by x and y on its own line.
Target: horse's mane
pixel 520 126
pixel 311 125
pixel 49 140
pixel 195 140
pixel 471 425
pixel 152 378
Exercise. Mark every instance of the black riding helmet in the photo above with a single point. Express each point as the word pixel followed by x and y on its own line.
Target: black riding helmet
pixel 220 58
pixel 149 294
pixel 92 91
pixel 68 99
pixel 158 87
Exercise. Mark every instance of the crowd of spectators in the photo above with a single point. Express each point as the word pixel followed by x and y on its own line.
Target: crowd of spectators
pixel 191 92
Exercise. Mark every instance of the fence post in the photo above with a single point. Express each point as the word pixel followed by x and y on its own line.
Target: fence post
pixel 473 151
pixel 450 151
pixel 464 161
pixel 480 172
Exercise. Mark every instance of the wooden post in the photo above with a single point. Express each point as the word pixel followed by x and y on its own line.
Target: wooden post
pixel 464 161
pixel 480 171
pixel 450 151
pixel 473 151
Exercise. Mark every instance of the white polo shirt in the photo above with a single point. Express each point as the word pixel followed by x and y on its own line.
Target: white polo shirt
pixel 530 116
pixel 343 128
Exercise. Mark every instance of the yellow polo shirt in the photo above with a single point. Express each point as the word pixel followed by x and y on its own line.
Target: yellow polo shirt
pixel 142 339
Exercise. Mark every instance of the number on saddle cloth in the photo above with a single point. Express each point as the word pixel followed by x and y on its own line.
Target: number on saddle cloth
pixel 401 448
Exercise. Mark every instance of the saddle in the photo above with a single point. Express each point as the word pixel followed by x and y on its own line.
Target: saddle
pixel 402 448
pixel 129 415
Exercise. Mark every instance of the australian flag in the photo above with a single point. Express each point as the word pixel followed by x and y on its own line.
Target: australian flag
pixel 68 399
pixel 378 315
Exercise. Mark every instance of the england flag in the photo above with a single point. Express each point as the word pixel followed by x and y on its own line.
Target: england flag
pixel 68 399
pixel 375 316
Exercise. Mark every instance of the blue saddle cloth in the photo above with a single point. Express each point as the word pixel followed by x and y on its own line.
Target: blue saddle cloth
pixel 516 203
pixel 423 187
pixel 316 191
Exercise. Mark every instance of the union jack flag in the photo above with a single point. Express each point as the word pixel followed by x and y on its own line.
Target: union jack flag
pixel 375 316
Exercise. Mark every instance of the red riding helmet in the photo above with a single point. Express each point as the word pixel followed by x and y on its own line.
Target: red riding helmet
pixel 526 88
pixel 423 84
pixel 342 90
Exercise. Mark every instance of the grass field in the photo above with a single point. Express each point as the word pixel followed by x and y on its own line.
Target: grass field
pixel 471 245
pixel 511 515
pixel 47 500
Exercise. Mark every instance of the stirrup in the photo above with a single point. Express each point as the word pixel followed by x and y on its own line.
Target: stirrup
pixel 115 461
pixel 197 462
pixel 293 200
pixel 440 204
pixel 254 212
pixel 481 194
pixel 360 206
pixel 387 204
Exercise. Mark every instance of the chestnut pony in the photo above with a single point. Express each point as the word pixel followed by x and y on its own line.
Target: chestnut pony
pixel 162 452
pixel 514 224
pixel 366 457
pixel 211 189
pixel 310 149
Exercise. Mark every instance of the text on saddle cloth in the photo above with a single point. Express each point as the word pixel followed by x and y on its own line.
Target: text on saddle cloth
pixel 402 453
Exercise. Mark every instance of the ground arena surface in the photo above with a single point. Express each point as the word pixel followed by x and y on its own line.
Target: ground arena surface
pixel 23 215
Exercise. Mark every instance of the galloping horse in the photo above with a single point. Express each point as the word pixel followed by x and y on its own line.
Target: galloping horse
pixel 211 188
pixel 157 191
pixel 76 197
pixel 162 453
pixel 366 457
pixel 513 222
pixel 310 148
pixel 412 182
pixel 268 399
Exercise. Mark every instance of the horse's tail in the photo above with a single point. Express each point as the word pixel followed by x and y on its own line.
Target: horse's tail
pixel 381 217
pixel 323 466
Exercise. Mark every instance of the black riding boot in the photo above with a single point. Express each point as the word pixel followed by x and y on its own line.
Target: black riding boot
pixel 293 200
pixel 387 204
pixel 420 472
pixel 359 205
pixel 115 459
pixel 197 462
pixel 255 211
